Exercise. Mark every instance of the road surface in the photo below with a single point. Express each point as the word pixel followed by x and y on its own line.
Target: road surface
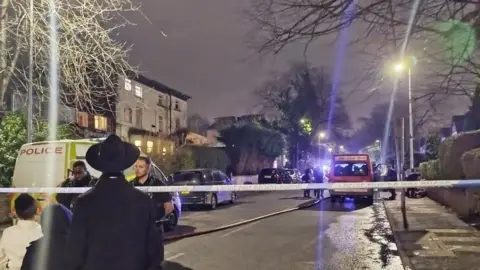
pixel 328 237
pixel 245 208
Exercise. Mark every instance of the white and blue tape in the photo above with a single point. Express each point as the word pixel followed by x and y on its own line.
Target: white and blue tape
pixel 271 187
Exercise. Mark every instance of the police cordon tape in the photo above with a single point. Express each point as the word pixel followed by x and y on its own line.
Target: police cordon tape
pixel 270 187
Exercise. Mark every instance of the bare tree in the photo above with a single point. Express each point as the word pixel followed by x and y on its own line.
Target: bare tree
pixel 89 60
pixel 440 33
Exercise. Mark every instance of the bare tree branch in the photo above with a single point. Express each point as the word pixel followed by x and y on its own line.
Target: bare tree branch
pixel 90 61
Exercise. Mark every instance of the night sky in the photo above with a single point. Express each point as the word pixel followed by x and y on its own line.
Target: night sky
pixel 205 55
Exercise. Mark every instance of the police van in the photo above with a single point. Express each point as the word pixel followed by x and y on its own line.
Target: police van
pixel 48 164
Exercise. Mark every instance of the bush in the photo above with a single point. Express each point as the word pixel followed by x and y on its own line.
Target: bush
pixel 13 134
pixel 451 151
pixel 471 164
pixel 424 169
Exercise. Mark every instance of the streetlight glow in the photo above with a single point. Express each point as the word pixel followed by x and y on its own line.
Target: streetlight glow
pixel 398 67
pixel 302 121
pixel 330 149
pixel 341 147
pixel 322 135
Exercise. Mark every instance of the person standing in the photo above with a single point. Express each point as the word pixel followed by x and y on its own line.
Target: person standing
pixel 80 178
pixel 162 200
pixel 15 239
pixel 391 176
pixel 318 175
pixel 55 222
pixel 113 225
pixel 307 178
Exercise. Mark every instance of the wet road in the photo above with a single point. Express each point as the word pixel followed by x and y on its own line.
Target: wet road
pixel 340 236
pixel 246 207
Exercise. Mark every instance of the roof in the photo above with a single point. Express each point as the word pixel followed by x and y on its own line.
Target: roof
pixel 157 85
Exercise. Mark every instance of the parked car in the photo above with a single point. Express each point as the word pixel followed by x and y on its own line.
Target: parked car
pixel 194 177
pixel 274 176
pixel 171 221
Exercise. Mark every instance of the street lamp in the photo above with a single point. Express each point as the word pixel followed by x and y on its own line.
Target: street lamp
pixel 330 150
pixel 322 135
pixel 399 67
pixel 341 147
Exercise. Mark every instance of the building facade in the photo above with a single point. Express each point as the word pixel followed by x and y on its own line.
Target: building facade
pixel 148 112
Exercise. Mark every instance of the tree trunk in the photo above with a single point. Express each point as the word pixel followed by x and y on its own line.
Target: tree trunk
pixel 3 53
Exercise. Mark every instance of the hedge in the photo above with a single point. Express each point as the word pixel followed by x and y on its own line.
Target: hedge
pixel 451 151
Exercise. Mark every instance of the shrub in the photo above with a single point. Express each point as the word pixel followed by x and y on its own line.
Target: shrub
pixel 471 163
pixel 424 169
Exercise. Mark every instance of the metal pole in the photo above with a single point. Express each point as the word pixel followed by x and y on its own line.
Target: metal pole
pixel 30 79
pixel 410 117
pixel 402 176
pixel 402 151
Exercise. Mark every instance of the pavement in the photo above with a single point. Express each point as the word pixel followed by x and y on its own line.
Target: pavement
pixel 328 237
pixel 436 238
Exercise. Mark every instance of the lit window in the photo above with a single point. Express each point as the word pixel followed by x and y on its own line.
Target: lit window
pixel 82 119
pixel 101 122
pixel 127 115
pixel 128 85
pixel 149 146
pixel 164 151
pixel 138 91
pixel 138 143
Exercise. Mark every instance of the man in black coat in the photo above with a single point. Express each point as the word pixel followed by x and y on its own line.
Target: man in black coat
pixel 113 224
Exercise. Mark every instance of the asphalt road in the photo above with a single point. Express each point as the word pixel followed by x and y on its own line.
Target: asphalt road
pixel 246 207
pixel 340 236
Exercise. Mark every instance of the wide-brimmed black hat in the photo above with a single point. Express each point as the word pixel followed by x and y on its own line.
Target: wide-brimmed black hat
pixel 112 155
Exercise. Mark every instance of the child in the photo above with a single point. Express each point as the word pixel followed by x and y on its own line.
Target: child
pixel 17 238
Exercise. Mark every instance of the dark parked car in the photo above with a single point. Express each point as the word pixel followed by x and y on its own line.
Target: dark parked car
pixel 196 177
pixel 274 176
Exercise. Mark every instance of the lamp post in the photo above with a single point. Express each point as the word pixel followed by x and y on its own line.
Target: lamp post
pixel 399 67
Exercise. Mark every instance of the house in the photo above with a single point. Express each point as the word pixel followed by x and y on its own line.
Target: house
pixel 148 112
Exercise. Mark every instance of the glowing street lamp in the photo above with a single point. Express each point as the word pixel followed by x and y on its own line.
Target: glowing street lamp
pixel 341 147
pixel 322 135
pixel 302 121
pixel 330 150
pixel 399 68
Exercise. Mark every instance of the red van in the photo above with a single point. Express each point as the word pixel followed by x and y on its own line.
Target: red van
pixel 351 168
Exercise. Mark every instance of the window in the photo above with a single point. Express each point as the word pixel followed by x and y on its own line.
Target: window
pixel 177 123
pixel 127 115
pixel 138 91
pixel 82 119
pixel 177 105
pixel 345 168
pixel 160 123
pixel 101 122
pixel 160 100
pixel 149 146
pixel 138 117
pixel 128 85
pixel 138 143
